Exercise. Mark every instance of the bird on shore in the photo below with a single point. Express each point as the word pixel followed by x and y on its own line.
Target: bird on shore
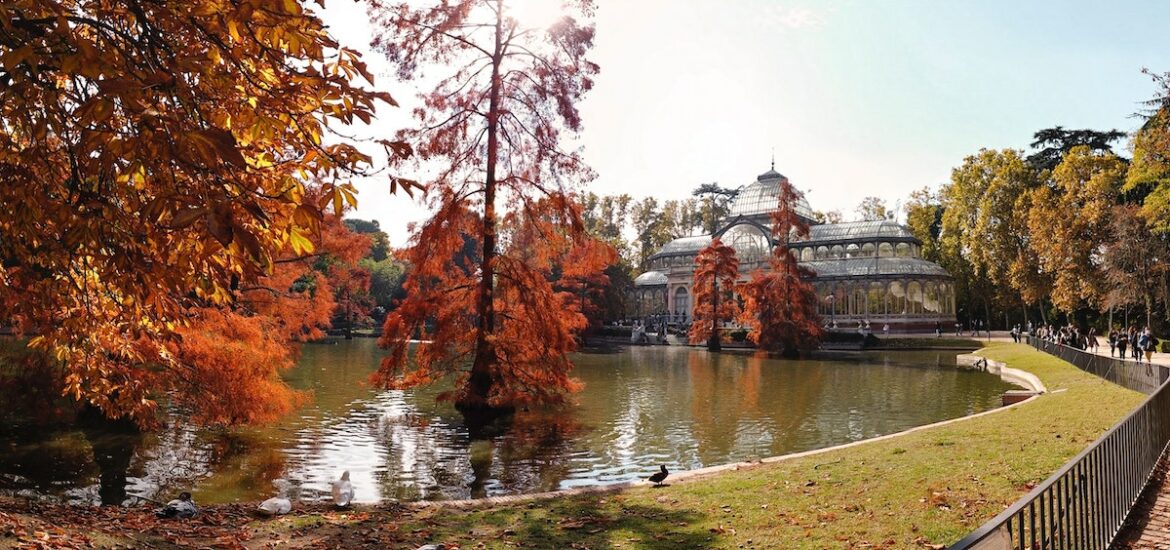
pixel 182 508
pixel 275 506
pixel 659 477
pixel 342 490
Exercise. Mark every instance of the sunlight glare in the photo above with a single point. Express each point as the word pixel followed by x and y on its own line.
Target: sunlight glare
pixel 539 14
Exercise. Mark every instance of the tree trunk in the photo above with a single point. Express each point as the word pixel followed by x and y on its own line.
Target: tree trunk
pixel 713 343
pixel 348 317
pixel 483 366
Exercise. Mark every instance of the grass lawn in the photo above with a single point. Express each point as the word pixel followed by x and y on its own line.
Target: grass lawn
pixel 926 488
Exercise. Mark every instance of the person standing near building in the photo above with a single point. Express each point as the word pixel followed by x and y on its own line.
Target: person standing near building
pixel 1122 342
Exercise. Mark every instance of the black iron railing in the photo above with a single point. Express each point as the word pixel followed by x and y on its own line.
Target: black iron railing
pixel 1085 503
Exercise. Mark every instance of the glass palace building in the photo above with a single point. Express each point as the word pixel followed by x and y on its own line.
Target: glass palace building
pixel 865 271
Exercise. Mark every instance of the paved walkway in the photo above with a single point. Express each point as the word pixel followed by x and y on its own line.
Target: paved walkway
pixel 1148 525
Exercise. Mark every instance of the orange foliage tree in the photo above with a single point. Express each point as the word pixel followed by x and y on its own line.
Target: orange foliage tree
pixel 232 357
pixel 492 127
pixel 159 152
pixel 780 304
pixel 716 272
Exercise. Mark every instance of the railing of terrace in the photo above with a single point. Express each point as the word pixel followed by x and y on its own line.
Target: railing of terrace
pixel 1085 503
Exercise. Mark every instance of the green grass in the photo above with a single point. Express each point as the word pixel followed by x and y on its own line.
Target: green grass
pixel 932 486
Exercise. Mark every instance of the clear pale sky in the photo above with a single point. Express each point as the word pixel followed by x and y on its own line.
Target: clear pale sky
pixel 856 97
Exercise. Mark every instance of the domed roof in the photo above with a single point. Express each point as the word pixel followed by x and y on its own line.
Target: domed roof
pixel 685 245
pixel 761 198
pixel 651 278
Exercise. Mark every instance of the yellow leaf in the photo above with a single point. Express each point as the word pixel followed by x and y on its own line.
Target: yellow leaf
pixel 301 245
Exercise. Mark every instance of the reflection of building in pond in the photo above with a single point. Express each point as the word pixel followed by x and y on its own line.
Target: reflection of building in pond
pixel 865 271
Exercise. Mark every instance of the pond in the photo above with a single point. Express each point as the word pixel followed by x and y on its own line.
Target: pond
pixel 641 407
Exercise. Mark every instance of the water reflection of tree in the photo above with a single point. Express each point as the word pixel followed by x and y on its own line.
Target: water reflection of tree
pixel 534 451
pixel 735 418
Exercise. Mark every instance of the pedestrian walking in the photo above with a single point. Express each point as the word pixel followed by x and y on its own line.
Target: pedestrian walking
pixel 1112 341
pixel 1122 342
pixel 1151 344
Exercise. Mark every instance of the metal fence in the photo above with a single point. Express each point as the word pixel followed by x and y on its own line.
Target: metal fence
pixel 1085 503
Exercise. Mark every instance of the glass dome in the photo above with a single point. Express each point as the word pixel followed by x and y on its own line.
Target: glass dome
pixel 651 278
pixel 761 198
pixel 684 245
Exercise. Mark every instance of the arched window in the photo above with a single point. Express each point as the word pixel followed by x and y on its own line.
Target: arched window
pixel 885 250
pixel 877 298
pixel 838 252
pixel 897 292
pixel 822 252
pixel 857 305
pixel 902 250
pixel 750 244
pixel 682 303
pixel 807 254
pixel 933 301
pixel 868 250
pixel 852 251
pixel 914 294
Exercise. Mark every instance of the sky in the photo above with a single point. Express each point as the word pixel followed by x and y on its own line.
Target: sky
pixel 854 98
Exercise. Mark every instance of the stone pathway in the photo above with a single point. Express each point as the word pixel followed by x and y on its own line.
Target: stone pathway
pixel 1148 525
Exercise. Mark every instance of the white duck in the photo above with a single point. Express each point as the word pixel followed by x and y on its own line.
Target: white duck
pixel 342 490
pixel 275 506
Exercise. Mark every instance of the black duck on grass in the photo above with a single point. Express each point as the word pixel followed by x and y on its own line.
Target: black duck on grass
pixel 659 477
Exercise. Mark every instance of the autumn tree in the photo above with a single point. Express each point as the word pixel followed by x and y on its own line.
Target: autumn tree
pixel 491 128
pixel 716 273
pixel 780 304
pixel 981 229
pixel 924 213
pixel 1149 173
pixel 1134 262
pixel 232 357
pixel 872 209
pixel 160 152
pixel 1085 187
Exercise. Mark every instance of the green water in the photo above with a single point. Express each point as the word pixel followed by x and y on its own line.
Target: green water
pixel 641 407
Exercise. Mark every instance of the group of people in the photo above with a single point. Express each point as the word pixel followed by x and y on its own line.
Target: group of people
pixel 977 326
pixel 1139 343
pixel 638 334
pixel 1069 335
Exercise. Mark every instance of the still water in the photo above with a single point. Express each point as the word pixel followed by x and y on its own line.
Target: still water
pixel 641 407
